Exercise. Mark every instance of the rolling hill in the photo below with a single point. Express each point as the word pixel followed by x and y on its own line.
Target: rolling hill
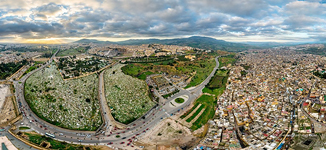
pixel 194 41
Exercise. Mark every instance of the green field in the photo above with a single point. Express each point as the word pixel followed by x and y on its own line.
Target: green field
pixel 151 59
pixel 71 104
pixel 216 92
pixel 136 71
pixel 200 68
pixel 189 111
pixel 196 113
pixel 229 59
pixel 203 69
pixel 127 97
pixel 72 51
pixel 218 82
pixel 209 104
pixel 38 139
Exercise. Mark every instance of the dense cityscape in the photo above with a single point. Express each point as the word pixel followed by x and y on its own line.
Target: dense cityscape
pixel 162 75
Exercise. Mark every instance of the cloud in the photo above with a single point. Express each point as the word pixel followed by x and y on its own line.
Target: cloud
pixel 305 8
pixel 240 19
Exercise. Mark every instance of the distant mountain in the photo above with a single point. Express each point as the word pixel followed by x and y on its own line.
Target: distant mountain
pixel 272 44
pixel 194 41
pixel 93 41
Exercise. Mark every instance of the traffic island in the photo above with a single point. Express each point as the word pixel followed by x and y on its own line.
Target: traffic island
pixel 179 101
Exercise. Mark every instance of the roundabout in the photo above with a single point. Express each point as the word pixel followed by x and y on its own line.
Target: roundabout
pixel 179 101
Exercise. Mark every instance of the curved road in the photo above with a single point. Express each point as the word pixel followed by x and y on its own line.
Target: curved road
pixel 109 137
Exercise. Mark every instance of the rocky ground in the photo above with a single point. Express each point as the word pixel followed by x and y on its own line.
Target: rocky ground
pixel 168 134
pixel 7 109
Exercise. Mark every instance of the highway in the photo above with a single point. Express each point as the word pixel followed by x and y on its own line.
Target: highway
pixel 131 132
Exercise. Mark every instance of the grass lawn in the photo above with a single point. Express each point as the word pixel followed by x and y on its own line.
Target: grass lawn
pixel 24 128
pixel 179 100
pixel 203 69
pixel 189 111
pixel 210 103
pixel 38 139
pixel 216 92
pixel 196 113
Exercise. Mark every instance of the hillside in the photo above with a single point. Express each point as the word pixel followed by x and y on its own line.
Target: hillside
pixel 194 41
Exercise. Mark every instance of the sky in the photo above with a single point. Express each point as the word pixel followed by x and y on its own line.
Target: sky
pixel 62 21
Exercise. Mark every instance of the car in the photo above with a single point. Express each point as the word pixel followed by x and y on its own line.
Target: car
pixel 147 129
pixel 144 131
pixel 45 128
pixel 32 120
pixel 109 135
pixel 110 143
pixel 61 134
pixel 122 142
pixel 137 134
pixel 80 140
pixel 134 137
pixel 143 122
pixel 141 146
pixel 40 126
pixel 134 124
pixel 128 144
pixel 124 138
pixel 128 128
pixel 22 123
pixel 118 133
pixel 123 131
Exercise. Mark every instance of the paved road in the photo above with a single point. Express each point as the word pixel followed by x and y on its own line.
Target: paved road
pixel 103 103
pixel 88 137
